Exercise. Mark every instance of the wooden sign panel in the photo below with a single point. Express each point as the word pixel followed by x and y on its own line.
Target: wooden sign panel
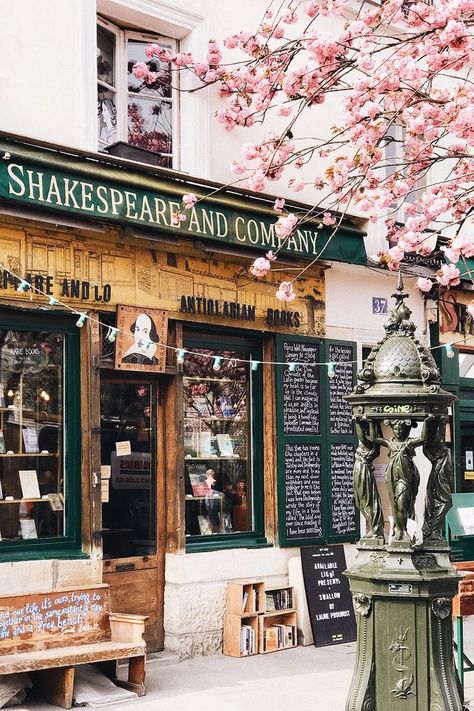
pixel 328 595
pixel 53 619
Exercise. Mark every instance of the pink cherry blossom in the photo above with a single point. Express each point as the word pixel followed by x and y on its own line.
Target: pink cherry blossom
pixel 285 292
pixel 189 200
pixel 279 204
pixel 260 267
pixel 424 284
pixel 448 275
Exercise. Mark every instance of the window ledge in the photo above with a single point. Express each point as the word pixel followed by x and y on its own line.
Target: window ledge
pixel 203 544
pixel 12 556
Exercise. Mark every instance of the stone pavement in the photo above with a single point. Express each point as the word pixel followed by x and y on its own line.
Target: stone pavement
pixel 301 679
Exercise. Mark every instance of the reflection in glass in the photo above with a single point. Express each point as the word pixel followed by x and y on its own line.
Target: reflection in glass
pixel 129 515
pixel 149 124
pixel 217 443
pixel 31 435
pixel 105 56
pixel 466 365
pixel 162 86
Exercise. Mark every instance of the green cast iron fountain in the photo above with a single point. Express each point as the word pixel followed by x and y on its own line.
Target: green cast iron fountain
pixel 402 589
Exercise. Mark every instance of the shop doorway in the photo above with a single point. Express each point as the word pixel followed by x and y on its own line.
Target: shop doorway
pixel 129 459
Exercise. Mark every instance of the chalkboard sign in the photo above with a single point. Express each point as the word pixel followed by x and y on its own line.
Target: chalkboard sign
pixel 343 508
pixel 340 412
pixel 303 496
pixel 301 389
pixel 328 596
pixel 315 442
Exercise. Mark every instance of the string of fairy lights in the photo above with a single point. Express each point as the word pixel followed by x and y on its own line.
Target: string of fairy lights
pixel 25 286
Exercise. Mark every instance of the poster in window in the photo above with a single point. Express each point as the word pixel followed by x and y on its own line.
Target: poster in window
pixel 141 339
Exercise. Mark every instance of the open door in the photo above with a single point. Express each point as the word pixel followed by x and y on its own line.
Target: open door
pixel 129 500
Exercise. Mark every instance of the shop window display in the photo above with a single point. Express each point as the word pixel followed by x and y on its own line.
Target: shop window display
pixel 217 442
pixel 32 487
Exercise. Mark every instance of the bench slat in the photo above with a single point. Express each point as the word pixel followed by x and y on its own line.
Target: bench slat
pixel 69 656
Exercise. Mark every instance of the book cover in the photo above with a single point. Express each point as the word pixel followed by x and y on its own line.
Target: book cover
pixel 30 439
pixel 269 602
pixel 28 528
pixel 245 597
pixel 29 484
pixel 224 444
pixel 270 639
pixel 204 526
pixel 198 481
pixel 56 503
pixel 2 443
pixel 205 444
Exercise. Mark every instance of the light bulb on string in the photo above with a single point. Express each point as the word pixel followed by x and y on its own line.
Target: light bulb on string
pixel 331 370
pixel 254 364
pixel 449 351
pixel 147 343
pixel 81 320
pixel 217 363
pixel 112 334
pixel 292 367
pixel 23 286
pixel 52 301
pixel 180 352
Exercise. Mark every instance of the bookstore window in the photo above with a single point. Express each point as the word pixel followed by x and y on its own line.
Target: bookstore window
pixel 34 436
pixel 221 431
pixel 130 110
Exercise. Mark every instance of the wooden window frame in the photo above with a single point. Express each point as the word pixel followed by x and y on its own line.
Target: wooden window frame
pixel 121 86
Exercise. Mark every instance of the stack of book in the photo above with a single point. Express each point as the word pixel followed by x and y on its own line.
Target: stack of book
pixel 247 640
pixel 279 599
pixel 278 636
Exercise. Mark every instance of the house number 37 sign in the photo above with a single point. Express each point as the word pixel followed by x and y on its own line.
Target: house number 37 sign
pixel 379 305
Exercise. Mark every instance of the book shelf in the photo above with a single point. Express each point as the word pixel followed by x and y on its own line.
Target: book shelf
pixel 259 619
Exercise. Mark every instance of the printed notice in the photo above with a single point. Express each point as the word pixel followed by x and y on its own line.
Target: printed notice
pixel 466 516
pixel 123 448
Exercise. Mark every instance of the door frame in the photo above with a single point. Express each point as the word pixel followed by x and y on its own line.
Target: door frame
pixel 144 562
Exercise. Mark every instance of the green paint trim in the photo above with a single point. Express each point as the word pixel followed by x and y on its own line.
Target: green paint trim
pixel 70 543
pixel 218 339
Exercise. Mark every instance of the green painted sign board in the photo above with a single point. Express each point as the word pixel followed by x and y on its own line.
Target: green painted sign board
pixel 88 192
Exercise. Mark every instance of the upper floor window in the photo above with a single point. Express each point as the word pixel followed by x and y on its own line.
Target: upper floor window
pixel 142 115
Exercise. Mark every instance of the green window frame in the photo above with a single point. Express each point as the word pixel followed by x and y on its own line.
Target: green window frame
pixel 325 440
pixel 220 340
pixel 69 544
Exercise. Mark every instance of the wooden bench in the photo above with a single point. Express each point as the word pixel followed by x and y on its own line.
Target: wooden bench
pixel 48 634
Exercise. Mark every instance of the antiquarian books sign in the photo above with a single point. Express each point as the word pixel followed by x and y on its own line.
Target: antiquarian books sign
pixel 328 596
pixel 140 333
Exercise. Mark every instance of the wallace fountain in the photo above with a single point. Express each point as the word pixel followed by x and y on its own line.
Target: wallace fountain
pixel 402 587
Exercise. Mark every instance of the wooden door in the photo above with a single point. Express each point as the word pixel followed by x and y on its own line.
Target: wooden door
pixel 129 456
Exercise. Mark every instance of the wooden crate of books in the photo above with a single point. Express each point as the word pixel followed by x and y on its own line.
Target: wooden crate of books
pixel 241 635
pixel 277 630
pixel 245 597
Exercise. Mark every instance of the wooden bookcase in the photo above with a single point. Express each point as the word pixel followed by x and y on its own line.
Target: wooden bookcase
pixel 259 619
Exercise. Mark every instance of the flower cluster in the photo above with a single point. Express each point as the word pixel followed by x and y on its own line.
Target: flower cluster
pixel 407 115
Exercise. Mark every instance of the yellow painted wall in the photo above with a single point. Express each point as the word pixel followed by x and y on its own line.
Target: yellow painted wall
pixel 154 274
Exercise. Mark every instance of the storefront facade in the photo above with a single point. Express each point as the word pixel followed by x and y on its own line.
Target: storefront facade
pixel 149 440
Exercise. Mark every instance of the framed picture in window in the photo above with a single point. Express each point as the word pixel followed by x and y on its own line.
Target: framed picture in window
pixel 141 339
